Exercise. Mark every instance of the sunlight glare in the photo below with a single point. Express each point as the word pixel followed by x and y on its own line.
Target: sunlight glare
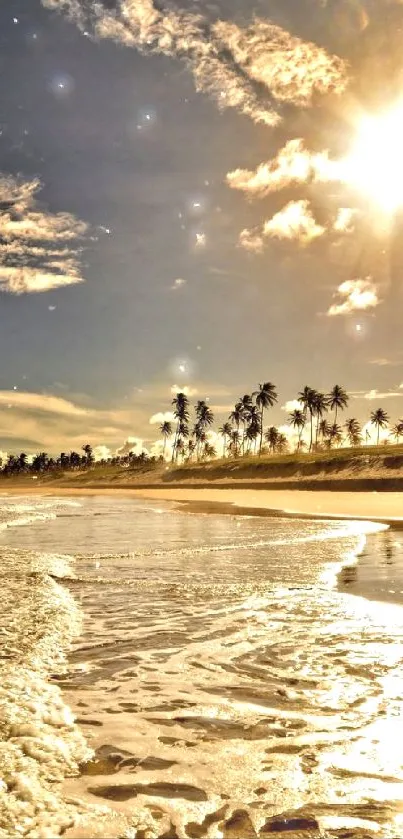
pixel 374 165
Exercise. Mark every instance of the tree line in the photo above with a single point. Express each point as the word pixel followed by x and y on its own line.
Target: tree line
pixel 316 423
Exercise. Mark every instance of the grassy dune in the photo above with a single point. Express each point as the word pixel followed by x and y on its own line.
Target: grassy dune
pixel 375 467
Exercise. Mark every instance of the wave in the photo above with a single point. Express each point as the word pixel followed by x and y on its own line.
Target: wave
pixel 40 744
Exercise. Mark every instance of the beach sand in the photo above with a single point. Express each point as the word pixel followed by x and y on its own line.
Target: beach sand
pixel 385 507
pixel 377 506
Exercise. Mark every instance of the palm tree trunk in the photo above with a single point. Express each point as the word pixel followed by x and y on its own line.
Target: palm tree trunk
pixel 163 450
pixel 310 444
pixel 377 438
pixel 223 446
pixel 261 431
pixel 175 442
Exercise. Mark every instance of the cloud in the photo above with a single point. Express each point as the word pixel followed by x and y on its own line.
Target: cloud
pixel 36 247
pixel 41 403
pixel 375 394
pixel 355 295
pixel 293 165
pixel 101 453
pixel 178 283
pixel 132 444
pixel 232 65
pixel 387 362
pixel 158 419
pixel 292 405
pixel 344 220
pixel 294 221
pixel 251 240
pixel 186 389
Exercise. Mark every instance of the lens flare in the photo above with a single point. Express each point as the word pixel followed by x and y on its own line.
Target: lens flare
pixel 375 166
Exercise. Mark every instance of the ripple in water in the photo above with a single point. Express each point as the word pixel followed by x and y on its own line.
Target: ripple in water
pixel 223 683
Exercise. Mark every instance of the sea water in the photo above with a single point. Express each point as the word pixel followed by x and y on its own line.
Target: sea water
pixel 167 673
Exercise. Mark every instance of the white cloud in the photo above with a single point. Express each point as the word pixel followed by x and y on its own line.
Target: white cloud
pixel 294 221
pixel 36 250
pixel 178 283
pixel 293 165
pixel 186 389
pixel 375 394
pixel 226 61
pixel 132 444
pixel 355 295
pixel 251 240
pixel 292 405
pixel 158 419
pixel 344 222
pixel 40 402
pixel 101 453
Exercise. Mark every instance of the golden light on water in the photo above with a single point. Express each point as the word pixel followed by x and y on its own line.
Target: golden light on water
pixel 375 164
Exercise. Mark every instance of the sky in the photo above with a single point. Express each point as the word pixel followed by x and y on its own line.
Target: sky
pixel 188 198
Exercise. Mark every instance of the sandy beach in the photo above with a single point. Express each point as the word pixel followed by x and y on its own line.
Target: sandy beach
pixel 382 506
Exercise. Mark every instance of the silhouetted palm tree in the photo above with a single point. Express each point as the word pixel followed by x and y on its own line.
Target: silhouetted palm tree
pixel 324 429
pixel 379 419
pixel 235 441
pixel 209 451
pixel 397 430
pixel 225 432
pixel 335 434
pixel 89 457
pixel 353 429
pixel 245 404
pixel 271 436
pixel 180 404
pixel 265 398
pixel 298 420
pixel 165 431
pixel 307 398
pixel 320 405
pixel 282 443
pixel 338 399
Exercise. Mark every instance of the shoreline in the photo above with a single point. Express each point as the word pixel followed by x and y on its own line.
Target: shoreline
pixel 385 508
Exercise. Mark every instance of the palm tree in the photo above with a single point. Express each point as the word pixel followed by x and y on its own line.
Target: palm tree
pixel 180 403
pixel 235 440
pixel 335 434
pixel 235 416
pixel 353 429
pixel 245 403
pixel 337 399
pixel 252 433
pixel 307 398
pixel 271 436
pixel 89 457
pixel 191 448
pixel 320 405
pixel 265 398
pixel 324 429
pixel 225 432
pixel 204 414
pixel 209 451
pixel 397 430
pixel 165 431
pixel 23 462
pixel 380 419
pixel 298 420
pixel 282 444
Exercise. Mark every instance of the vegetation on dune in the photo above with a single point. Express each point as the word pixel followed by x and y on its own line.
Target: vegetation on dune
pixel 312 428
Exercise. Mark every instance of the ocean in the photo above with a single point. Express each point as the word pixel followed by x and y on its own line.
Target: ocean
pixel 172 674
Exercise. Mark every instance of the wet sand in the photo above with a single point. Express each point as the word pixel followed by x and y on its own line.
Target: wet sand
pixel 383 506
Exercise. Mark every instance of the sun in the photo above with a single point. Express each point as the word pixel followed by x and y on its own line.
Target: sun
pixel 375 164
